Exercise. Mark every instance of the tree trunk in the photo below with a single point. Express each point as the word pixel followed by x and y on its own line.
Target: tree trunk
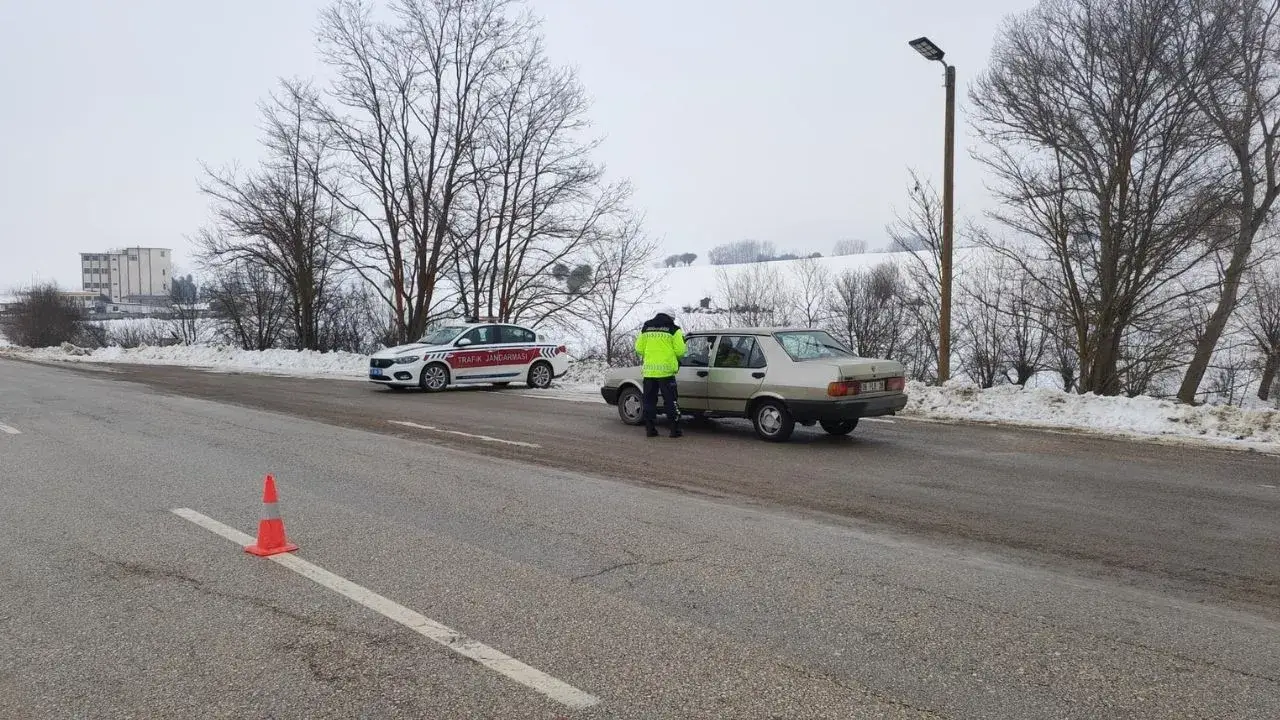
pixel 1269 371
pixel 1103 377
pixel 1227 300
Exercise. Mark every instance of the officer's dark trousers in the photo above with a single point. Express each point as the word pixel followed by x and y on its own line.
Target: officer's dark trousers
pixel 666 386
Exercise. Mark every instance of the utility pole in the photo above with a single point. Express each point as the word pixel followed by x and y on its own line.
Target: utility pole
pixel 934 53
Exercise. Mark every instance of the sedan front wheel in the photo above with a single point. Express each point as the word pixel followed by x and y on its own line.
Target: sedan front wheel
pixel 631 406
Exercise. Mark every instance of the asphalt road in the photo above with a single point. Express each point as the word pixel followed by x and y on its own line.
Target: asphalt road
pixel 914 570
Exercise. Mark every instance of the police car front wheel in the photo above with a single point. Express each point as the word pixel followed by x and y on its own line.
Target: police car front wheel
pixel 435 378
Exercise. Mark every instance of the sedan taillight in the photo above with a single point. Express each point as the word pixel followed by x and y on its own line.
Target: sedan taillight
pixel 897 384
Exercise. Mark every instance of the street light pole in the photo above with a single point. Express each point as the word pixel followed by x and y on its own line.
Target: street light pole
pixel 932 52
pixel 948 228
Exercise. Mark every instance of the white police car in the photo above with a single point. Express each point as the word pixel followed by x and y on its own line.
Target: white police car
pixel 470 353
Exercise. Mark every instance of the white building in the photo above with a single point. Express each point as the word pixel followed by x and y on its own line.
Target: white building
pixel 129 273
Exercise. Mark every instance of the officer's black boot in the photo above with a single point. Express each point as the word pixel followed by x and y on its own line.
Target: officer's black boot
pixel 675 428
pixel 650 430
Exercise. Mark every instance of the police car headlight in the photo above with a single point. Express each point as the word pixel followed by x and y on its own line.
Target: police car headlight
pixel 406 359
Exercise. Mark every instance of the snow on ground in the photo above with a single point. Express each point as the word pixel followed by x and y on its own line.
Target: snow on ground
pixel 296 363
pixel 1140 417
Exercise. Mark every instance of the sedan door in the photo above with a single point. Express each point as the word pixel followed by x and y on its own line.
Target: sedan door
pixel 737 373
pixel 691 379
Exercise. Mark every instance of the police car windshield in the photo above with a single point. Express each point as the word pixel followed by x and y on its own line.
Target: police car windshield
pixel 442 336
pixel 812 345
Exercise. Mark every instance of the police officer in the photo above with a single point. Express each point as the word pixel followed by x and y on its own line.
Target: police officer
pixel 660 345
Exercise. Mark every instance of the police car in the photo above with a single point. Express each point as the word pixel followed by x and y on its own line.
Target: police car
pixel 470 353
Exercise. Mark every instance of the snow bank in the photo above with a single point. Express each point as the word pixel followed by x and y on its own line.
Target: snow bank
pixel 1131 417
pixel 305 363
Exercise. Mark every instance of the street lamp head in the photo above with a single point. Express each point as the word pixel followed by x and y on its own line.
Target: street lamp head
pixel 925 47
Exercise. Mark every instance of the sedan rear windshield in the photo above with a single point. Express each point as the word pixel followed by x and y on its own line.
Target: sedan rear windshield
pixel 811 345
pixel 443 335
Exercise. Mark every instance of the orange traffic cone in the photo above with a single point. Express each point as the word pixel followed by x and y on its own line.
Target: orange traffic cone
pixel 271 540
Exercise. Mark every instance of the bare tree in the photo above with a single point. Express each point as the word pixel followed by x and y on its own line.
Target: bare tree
pixel 1262 318
pixel 1102 167
pixel 281 217
pixel 622 257
pixel 742 252
pixel 1228 62
pixel 813 290
pixel 1027 324
pixel 754 296
pixel 351 320
pixel 184 322
pixel 867 310
pixel 535 200
pixel 407 105
pixel 918 233
pixel 850 246
pixel 982 340
pixel 251 302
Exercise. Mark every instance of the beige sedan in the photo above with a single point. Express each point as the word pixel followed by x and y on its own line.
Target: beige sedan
pixel 774 377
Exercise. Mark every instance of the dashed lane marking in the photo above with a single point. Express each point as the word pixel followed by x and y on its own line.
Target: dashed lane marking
pixel 495 660
pixel 486 438
pixel 9 429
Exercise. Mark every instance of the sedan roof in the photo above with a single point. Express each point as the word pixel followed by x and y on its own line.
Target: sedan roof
pixel 750 331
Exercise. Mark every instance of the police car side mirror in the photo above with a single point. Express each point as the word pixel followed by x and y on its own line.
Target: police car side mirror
pixel 464 342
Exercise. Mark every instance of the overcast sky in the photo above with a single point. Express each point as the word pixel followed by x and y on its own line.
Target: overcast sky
pixel 789 122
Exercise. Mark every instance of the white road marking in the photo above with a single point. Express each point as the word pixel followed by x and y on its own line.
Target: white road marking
pixel 485 438
pixel 495 660
pixel 879 420
pixel 9 429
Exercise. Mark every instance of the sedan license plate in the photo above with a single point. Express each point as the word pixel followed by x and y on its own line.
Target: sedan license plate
pixel 375 372
pixel 870 386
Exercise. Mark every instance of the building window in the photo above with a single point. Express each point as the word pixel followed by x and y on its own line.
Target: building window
pixel 161 253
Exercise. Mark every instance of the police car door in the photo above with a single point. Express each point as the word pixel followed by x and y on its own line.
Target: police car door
pixel 475 359
pixel 518 349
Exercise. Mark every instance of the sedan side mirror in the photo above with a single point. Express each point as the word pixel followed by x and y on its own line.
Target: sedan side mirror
pixel 464 342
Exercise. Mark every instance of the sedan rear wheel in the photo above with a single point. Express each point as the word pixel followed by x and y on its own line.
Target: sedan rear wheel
pixel 631 406
pixel 773 421
pixel 838 427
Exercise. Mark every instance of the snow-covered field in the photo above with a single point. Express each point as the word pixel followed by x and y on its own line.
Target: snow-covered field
pixel 1146 418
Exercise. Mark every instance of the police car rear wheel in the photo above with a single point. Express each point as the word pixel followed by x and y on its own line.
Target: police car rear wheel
pixel 435 378
pixel 540 375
